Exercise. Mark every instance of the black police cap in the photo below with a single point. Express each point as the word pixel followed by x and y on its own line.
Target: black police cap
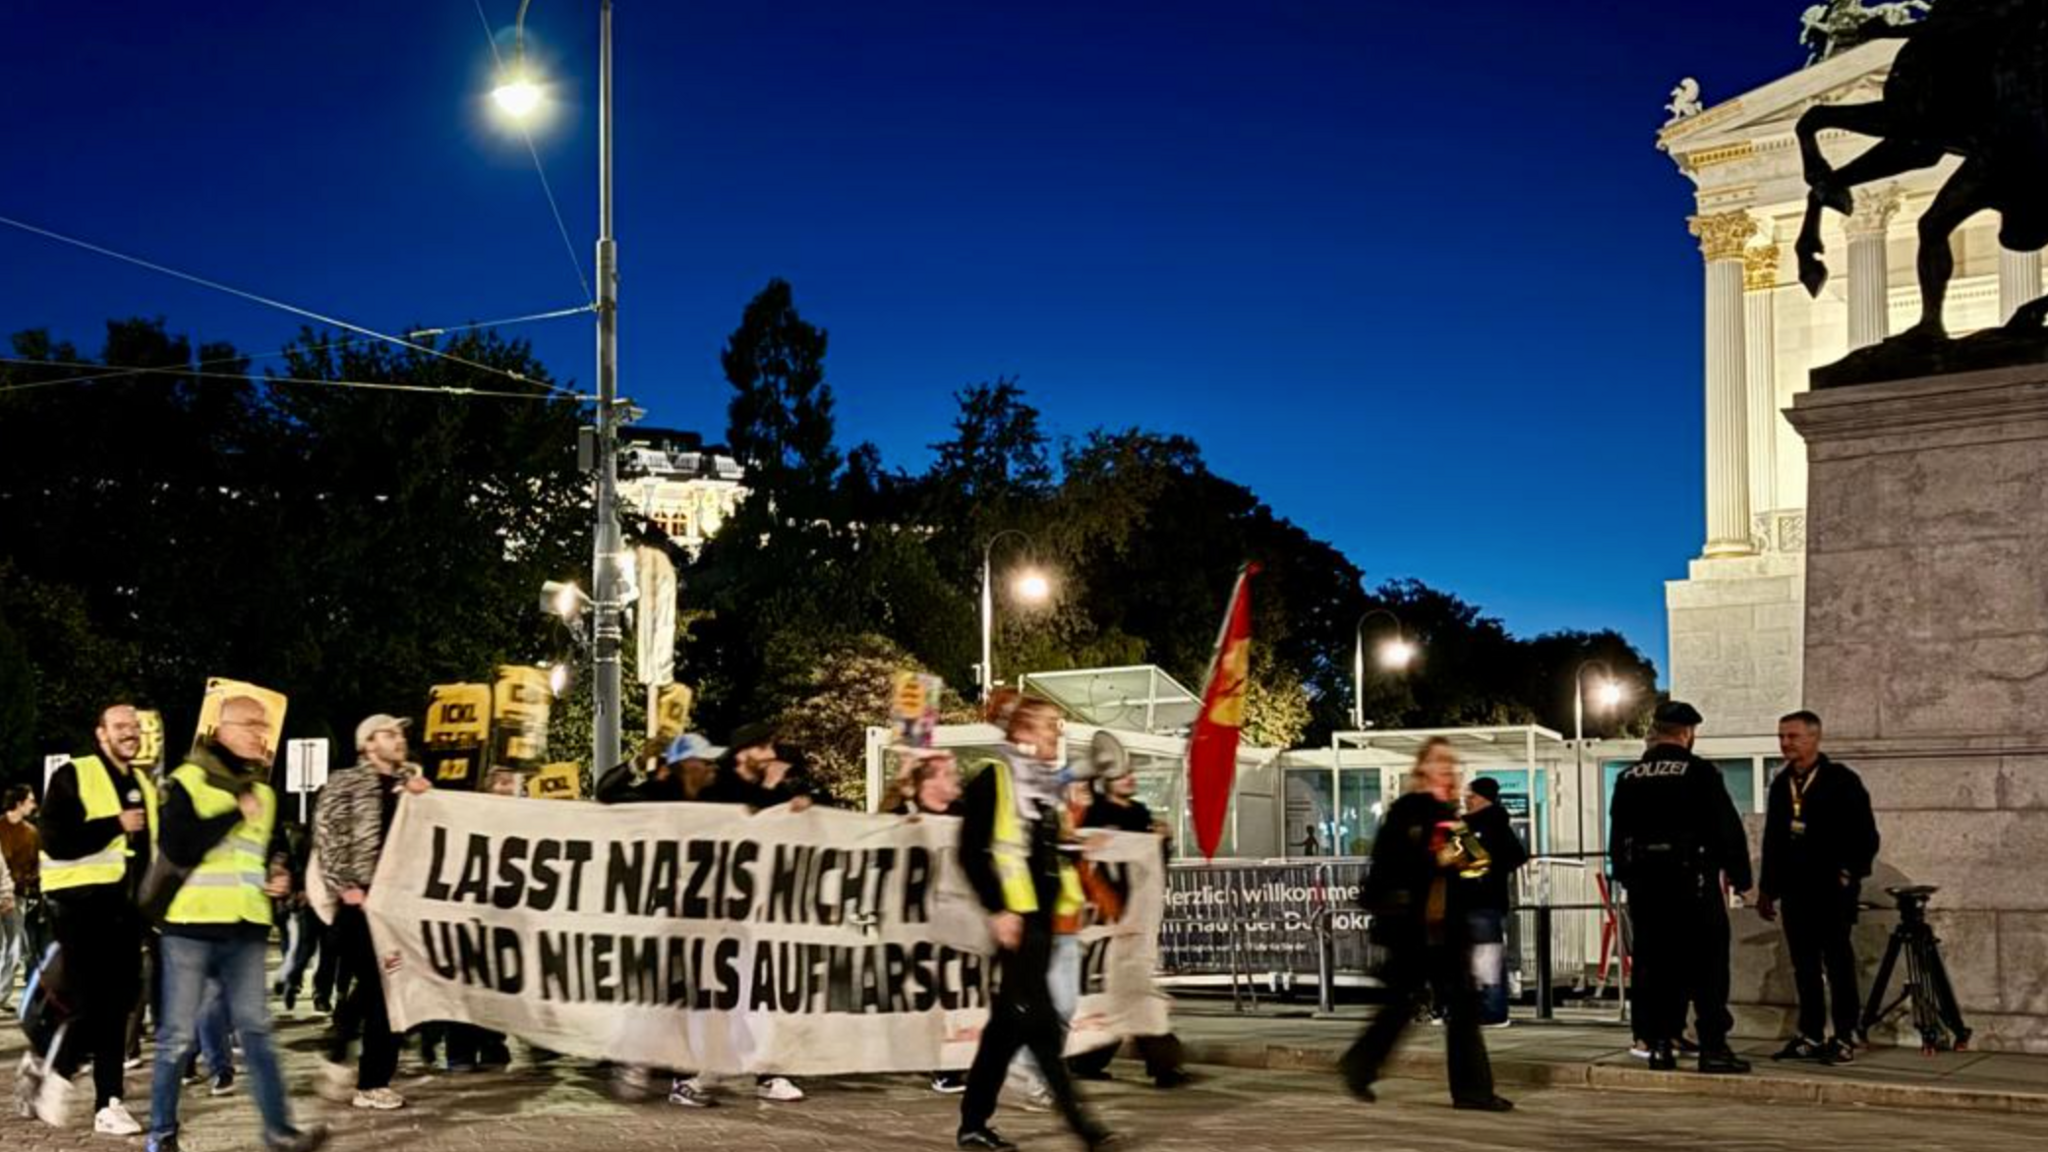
pixel 1678 713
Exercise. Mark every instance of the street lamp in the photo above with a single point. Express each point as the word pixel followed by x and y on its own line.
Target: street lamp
pixel 1394 655
pixel 1607 695
pixel 1032 586
pixel 519 96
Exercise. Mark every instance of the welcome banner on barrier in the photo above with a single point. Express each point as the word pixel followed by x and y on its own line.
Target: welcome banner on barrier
pixel 700 937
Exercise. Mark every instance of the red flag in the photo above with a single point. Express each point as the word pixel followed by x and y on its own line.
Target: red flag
pixel 1212 750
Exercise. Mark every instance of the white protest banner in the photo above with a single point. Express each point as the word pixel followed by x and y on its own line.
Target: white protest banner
pixel 701 938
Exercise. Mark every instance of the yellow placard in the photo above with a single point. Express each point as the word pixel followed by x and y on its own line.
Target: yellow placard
pixel 520 703
pixel 559 781
pixel 672 711
pixel 458 714
pixel 152 754
pixel 219 690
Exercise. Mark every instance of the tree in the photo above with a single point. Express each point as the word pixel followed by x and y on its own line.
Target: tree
pixel 779 421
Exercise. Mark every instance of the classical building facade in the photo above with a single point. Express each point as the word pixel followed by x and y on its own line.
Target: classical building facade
pixel 687 489
pixel 1737 618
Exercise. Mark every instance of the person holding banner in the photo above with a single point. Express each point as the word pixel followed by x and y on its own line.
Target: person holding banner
pixel 1422 850
pixel 1116 806
pixel 1010 848
pixel 929 785
pixel 99 825
pixel 214 885
pixel 355 813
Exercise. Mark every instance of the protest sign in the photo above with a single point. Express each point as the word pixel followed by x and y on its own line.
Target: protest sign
pixel 457 731
pixel 519 713
pixel 220 690
pixel 702 938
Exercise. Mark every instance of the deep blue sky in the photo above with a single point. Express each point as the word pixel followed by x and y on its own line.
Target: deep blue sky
pixel 1412 272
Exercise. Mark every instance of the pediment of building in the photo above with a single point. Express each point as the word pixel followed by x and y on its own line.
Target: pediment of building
pixel 1727 131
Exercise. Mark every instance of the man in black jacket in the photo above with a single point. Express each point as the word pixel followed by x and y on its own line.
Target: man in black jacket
pixel 1484 899
pixel 1674 834
pixel 1820 840
pixel 1420 849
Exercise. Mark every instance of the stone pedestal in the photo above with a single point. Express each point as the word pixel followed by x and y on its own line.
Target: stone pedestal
pixel 1926 654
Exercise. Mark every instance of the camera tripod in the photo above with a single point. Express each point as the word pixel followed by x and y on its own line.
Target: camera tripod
pixel 1935 1014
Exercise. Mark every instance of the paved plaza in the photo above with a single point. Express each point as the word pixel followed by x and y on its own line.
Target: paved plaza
pixel 1233 1109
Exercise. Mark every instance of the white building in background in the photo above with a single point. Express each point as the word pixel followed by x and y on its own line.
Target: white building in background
pixel 686 488
pixel 1737 620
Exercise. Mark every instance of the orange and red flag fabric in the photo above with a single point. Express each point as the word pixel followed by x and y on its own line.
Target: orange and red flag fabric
pixel 1212 750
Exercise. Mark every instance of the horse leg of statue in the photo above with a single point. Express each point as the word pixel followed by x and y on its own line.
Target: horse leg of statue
pixel 1963 196
pixel 1873 119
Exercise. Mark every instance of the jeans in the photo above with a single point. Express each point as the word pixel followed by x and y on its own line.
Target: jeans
pixel 1063 981
pixel 13 950
pixel 1486 928
pixel 236 964
pixel 214 1031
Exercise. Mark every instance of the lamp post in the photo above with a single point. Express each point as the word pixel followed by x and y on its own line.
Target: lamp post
pixel 1394 655
pixel 519 96
pixel 1032 586
pixel 1610 695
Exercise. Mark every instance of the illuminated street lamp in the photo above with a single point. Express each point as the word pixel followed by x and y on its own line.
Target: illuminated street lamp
pixel 1607 695
pixel 520 97
pixel 1393 654
pixel 1031 586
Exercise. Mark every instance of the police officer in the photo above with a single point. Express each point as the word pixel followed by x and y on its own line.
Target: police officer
pixel 1674 834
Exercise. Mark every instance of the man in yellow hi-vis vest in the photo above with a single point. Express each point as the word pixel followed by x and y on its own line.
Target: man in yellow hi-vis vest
pixel 99 821
pixel 1010 847
pixel 219 815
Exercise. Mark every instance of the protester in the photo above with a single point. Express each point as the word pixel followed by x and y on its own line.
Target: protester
pixel 470 1048
pixel 1675 833
pixel 1010 850
pixel 1483 900
pixel 1820 841
pixel 929 785
pixel 1116 806
pixel 217 822
pixel 1420 851
pixel 17 885
pixel 355 813
pixel 99 823
pixel 300 930
pixel 755 774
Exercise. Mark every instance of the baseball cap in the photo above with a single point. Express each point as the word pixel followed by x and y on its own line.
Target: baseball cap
pixel 691 746
pixel 1678 713
pixel 381 722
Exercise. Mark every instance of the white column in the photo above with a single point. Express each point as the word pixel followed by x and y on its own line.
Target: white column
pixel 1760 340
pixel 1870 290
pixel 2019 281
pixel 1722 237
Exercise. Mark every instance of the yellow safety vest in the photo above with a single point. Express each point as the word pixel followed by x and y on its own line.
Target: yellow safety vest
pixel 227 886
pixel 1012 851
pixel 110 864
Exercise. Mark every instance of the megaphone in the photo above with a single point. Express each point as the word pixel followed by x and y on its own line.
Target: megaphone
pixel 1107 756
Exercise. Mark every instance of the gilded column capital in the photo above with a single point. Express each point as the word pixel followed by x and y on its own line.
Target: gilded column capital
pixel 1723 235
pixel 1760 268
pixel 1875 208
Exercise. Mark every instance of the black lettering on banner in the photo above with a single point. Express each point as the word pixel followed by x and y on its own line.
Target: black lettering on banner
pixel 853 872
pixel 764 977
pixel 727 960
pixel 554 966
pixel 679 969
pixel 921 974
pixel 625 877
pixel 661 886
pixel 511 873
pixel 440 948
pixel 696 905
pixel 1095 967
pixel 817 977
pixel 543 881
pixel 917 879
pixel 474 887
pixel 511 961
pixel 839 980
pixel 472 942
pixel 793 964
pixel 740 905
pixel 640 969
pixel 437 852
pixel 601 967
pixel 782 882
pixel 892 979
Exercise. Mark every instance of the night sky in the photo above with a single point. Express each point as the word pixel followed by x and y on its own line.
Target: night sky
pixel 1414 273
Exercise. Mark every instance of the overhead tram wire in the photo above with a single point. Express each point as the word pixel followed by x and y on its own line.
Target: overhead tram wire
pixel 539 169
pixel 294 309
pixel 552 393
pixel 415 334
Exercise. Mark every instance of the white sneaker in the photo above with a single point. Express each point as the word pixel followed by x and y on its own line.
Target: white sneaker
pixel 690 1094
pixel 114 1120
pixel 379 1100
pixel 779 1089
pixel 1498 1024
pixel 1639 1050
pixel 53 1101
pixel 28 1079
pixel 1038 1099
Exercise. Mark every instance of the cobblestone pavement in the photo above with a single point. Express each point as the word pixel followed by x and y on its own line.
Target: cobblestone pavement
pixel 1228 1109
